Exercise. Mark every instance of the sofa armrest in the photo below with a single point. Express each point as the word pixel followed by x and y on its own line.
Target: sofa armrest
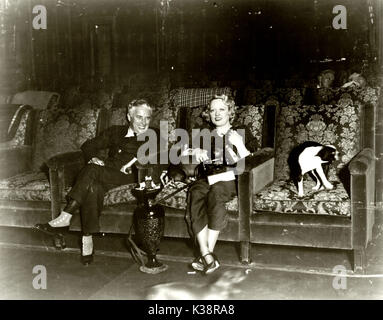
pixel 66 160
pixel 258 157
pixel 249 183
pixel 66 167
pixel 362 169
pixel 363 161
pixel 63 170
pixel 15 160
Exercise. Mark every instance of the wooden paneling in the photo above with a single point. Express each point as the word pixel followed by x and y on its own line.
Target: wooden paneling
pixel 221 40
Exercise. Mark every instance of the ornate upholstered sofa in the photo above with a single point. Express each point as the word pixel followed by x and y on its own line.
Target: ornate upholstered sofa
pixel 119 202
pixel 341 218
pixel 266 210
pixel 57 124
pixel 25 182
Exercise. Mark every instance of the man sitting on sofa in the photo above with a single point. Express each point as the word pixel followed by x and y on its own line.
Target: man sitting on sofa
pixel 98 176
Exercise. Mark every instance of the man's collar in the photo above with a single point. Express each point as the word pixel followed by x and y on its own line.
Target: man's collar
pixel 130 133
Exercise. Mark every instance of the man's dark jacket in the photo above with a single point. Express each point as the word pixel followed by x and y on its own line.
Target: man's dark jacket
pixel 121 149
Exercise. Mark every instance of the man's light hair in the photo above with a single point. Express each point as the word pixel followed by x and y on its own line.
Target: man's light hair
pixel 138 103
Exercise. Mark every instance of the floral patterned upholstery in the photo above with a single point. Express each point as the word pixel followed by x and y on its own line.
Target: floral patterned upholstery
pixel 326 124
pixel 62 130
pixel 58 131
pixel 31 185
pixel 281 197
pixel 89 97
pixel 338 125
pixel 299 96
pixel 20 136
pixel 252 117
pixel 335 121
pixel 123 194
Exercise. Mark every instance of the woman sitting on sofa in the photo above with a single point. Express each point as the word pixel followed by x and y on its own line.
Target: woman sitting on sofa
pixel 206 202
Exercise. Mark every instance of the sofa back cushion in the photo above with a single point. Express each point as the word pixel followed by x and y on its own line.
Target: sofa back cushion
pixel 344 117
pixel 338 125
pixel 62 130
pixel 253 117
pixel 196 97
pixel 190 104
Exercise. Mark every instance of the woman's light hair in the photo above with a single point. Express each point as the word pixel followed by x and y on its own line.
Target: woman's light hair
pixel 138 103
pixel 227 100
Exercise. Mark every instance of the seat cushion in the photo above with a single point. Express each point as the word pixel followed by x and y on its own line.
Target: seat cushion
pixel 123 194
pixel 34 185
pixel 281 197
pixel 31 185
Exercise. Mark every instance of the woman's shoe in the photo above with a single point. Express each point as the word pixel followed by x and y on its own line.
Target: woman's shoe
pixel 198 264
pixel 212 266
pixel 87 260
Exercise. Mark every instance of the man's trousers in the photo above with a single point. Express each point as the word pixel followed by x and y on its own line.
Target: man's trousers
pixel 91 185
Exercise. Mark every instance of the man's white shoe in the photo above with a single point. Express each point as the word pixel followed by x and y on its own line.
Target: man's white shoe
pixel 63 220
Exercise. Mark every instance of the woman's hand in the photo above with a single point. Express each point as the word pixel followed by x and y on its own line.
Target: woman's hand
pixel 236 140
pixel 200 154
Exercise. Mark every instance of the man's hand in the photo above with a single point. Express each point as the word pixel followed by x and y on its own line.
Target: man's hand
pixel 96 161
pixel 127 167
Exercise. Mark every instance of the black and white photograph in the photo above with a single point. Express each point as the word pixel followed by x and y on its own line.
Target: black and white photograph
pixel 216 152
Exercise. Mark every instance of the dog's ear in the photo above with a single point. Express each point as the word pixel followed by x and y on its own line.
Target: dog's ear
pixel 327 153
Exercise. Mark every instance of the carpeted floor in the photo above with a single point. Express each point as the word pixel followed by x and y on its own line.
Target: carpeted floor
pixel 276 272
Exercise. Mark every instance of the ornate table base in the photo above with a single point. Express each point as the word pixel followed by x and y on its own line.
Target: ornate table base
pixel 149 224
